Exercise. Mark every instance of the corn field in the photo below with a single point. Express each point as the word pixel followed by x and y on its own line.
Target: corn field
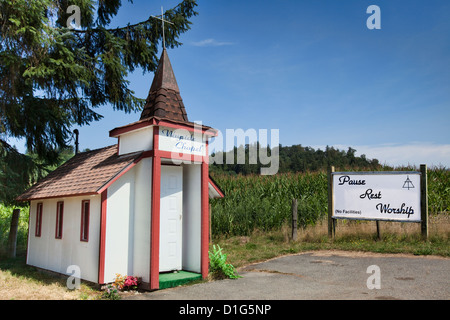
pixel 265 202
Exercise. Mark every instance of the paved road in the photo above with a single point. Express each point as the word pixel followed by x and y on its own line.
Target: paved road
pixel 325 275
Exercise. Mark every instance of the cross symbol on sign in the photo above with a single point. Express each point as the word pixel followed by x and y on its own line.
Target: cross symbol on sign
pixel 408 184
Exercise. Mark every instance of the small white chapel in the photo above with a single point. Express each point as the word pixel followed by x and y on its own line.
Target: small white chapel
pixel 139 208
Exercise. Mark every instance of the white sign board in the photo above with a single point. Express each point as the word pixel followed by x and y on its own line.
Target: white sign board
pixel 377 196
pixel 181 141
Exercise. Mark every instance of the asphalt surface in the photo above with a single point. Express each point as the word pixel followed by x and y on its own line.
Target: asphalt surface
pixel 325 275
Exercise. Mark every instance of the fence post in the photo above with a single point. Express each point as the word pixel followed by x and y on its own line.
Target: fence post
pixel 378 230
pixel 330 202
pixel 12 240
pixel 424 201
pixel 210 223
pixel 294 219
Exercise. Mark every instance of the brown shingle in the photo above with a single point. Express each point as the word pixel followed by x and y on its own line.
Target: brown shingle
pixel 164 100
pixel 84 174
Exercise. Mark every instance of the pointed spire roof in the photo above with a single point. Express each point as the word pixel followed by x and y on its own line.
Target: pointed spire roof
pixel 164 100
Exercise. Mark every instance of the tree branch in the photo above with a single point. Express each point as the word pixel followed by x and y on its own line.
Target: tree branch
pixel 113 29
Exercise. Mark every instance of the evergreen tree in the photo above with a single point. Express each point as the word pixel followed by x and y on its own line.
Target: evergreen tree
pixel 53 76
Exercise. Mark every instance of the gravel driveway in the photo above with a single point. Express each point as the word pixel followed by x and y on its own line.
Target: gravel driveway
pixel 325 275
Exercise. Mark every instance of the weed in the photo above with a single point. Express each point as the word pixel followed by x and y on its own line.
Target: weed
pixel 219 266
pixel 111 293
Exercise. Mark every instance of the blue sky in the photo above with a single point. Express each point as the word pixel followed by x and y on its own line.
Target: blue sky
pixel 313 70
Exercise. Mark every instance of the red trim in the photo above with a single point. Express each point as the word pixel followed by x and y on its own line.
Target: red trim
pixel 216 187
pixel 131 127
pixel 62 196
pixel 28 233
pixel 101 259
pixel 155 214
pixel 190 128
pixel 180 156
pixel 146 154
pixel 59 219
pixel 163 123
pixel 84 228
pixel 205 216
pixel 38 227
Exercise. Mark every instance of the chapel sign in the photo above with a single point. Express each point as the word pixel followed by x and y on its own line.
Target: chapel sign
pixel 181 141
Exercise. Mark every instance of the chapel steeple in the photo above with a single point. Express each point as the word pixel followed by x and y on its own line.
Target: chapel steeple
pixel 164 100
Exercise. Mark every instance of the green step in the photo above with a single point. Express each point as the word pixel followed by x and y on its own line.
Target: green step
pixel 174 279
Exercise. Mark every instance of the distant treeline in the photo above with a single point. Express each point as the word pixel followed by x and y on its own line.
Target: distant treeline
pixel 293 159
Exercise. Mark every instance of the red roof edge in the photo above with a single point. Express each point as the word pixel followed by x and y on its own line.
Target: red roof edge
pixel 216 187
pixel 162 122
pixel 146 154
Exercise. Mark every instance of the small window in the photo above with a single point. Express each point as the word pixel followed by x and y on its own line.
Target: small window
pixel 38 220
pixel 59 219
pixel 84 232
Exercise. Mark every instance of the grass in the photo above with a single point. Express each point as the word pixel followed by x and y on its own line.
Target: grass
pixel 21 282
pixel 350 236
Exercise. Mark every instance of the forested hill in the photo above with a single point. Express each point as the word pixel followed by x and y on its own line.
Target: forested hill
pixel 294 158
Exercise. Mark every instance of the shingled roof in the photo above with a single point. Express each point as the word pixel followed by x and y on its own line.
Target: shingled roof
pixel 85 173
pixel 164 100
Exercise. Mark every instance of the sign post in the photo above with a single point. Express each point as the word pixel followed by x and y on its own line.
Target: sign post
pixel 424 201
pixel 399 196
pixel 330 202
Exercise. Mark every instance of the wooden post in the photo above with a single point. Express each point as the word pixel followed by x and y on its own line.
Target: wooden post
pixel 210 223
pixel 12 240
pixel 330 202
pixel 294 219
pixel 424 201
pixel 378 230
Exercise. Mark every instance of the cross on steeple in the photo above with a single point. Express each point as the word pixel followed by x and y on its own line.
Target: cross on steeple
pixel 162 19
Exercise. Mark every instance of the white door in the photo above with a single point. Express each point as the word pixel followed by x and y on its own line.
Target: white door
pixel 171 218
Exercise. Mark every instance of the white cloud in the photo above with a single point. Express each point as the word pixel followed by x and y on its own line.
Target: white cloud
pixel 211 43
pixel 404 154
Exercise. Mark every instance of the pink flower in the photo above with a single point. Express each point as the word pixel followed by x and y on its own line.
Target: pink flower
pixel 130 281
